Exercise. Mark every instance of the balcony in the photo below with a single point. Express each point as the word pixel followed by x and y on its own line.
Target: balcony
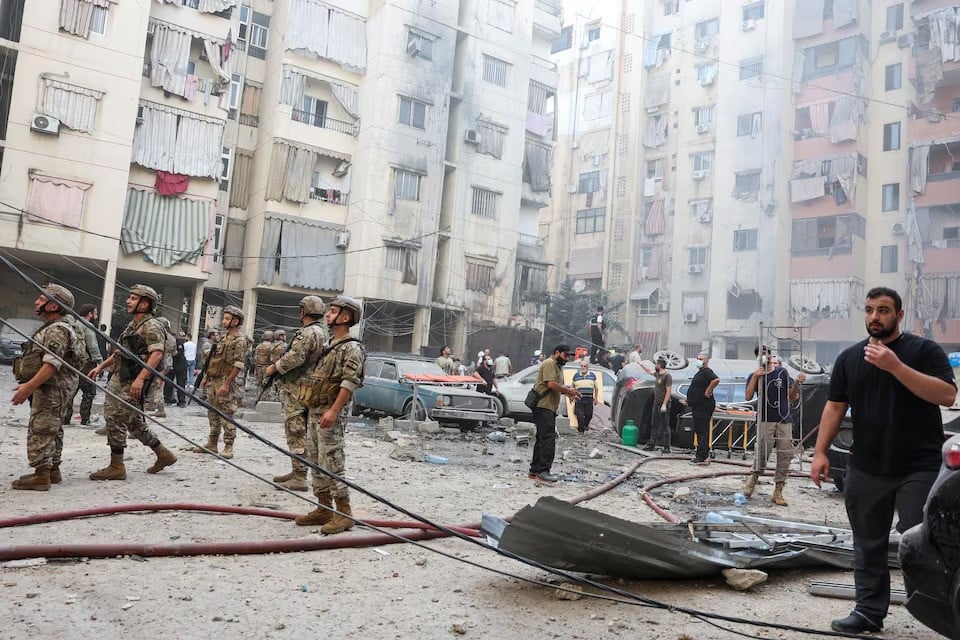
pixel 543 71
pixel 329 195
pixel 321 121
pixel 943 177
pixel 530 248
pixel 826 306
pixel 547 19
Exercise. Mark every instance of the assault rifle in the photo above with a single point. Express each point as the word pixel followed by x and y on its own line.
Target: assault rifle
pixel 203 372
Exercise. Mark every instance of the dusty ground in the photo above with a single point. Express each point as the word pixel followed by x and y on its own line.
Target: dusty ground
pixel 396 591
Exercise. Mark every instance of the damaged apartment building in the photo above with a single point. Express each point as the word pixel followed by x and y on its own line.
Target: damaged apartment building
pixel 252 153
pixel 732 163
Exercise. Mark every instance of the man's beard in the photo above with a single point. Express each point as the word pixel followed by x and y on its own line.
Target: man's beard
pixel 882 331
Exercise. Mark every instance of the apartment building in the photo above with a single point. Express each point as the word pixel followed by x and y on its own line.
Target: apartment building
pixel 253 153
pixel 775 160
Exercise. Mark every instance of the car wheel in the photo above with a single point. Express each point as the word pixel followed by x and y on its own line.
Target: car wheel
pixel 414 413
pixel 501 403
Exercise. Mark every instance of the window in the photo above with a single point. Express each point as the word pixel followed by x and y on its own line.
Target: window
pixel 827 235
pixel 395 258
pixel 226 157
pixel 591 182
pixel 389 371
pixel 236 83
pixel 244 31
pixel 703 116
pixel 707 28
pixel 891 197
pixel 419 45
pixel 698 257
pixel 703 161
pixel 894 18
pixel 669 8
pixel 564 42
pixel 747 183
pixel 500 14
pixel 893 76
pixel 649 306
pixel 752 68
pixel 98 21
pixel 700 209
pixel 593 32
pixel 951 233
pixel 191 67
pixel 257 31
pixel 828 10
pixel 753 11
pixel 889 258
pixel 480 276
pixel 406 185
pixel 313 111
pixel 495 70
pixel 484 203
pixel 706 73
pixel 590 220
pixel 749 124
pixel 745 240
pixel 655 168
pixel 218 221
pixel 413 113
pixel 891 136
pixel 743 306
pixel 832 57
pixel 491 138
pixel 956 105
pixel 598 105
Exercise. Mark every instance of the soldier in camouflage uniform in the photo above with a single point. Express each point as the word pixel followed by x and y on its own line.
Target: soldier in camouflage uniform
pixel 340 371
pixel 84 328
pixel 158 394
pixel 222 370
pixel 50 385
pixel 261 357
pixel 293 365
pixel 279 348
pixel 144 337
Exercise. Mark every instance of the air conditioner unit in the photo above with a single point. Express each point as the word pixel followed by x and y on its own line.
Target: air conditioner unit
pixel 663 306
pixel 700 46
pixel 699 175
pixel 887 36
pixel 706 82
pixel 703 128
pixel 899 228
pixel 653 109
pixel 343 239
pixel 748 25
pixel 472 137
pixel 45 124
pixel 413 47
pixel 904 41
pixel 342 168
pixel 696 268
pixel 689 318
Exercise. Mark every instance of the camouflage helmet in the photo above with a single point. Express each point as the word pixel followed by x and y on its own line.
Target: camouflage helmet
pixel 164 323
pixel 234 311
pixel 279 333
pixel 267 336
pixel 60 295
pixel 312 306
pixel 144 291
pixel 346 302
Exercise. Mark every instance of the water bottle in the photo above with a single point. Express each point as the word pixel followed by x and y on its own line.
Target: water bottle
pixel 630 434
pixel 432 459
pixel 739 499
pixel 716 518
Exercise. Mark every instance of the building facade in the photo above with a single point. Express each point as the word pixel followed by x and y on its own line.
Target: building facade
pixel 253 153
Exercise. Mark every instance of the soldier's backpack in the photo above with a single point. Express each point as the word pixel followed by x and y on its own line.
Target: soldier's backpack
pixel 316 391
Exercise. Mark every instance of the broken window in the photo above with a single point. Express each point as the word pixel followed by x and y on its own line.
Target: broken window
pixel 564 42
pixel 649 306
pixel 591 182
pixel 745 240
pixel 747 184
pixel 749 124
pixel 598 105
pixel 831 57
pixel 743 306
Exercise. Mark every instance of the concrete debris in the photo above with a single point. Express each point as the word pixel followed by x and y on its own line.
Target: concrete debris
pixel 407 449
pixel 421 561
pixel 595 454
pixel 458 628
pixel 563 423
pixel 497 436
pixel 681 494
pixel 566 454
pixel 407 426
pixel 392 436
pixel 575 591
pixel 522 428
pixel 743 579
pixel 26 562
pixel 386 424
pixel 506 422
pixel 428 426
pixel 265 411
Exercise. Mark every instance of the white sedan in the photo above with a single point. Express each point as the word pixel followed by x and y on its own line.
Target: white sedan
pixel 514 388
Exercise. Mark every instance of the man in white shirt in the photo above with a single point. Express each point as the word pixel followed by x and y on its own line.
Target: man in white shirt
pixel 502 367
pixel 634 356
pixel 190 355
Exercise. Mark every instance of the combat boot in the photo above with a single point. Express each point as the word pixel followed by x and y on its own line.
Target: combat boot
pixel 102 431
pixel 750 485
pixel 55 477
pixel 319 516
pixel 39 480
pixel 165 458
pixel 340 523
pixel 227 450
pixel 283 478
pixel 114 471
pixel 777 497
pixel 296 482
pixel 210 447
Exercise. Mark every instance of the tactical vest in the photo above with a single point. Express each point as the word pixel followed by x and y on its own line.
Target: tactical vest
pixel 316 390
pixel 129 368
pixel 30 363
pixel 261 355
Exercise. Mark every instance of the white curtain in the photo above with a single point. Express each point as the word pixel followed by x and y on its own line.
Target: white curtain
pixel 233 244
pixel 310 257
pixel 804 189
pixel 799 60
pixel 75 107
pixel 918 164
pixel 308 27
pixel 75 15
pixel 346 95
pixel 817 295
pixel 169 56
pixel 844 12
pixel 601 67
pixel 347 42
pixel 242 175
pixel 536 160
pixel 269 246
pixel 155 140
pixel 278 170
pixel 291 88
pixel 222 69
pixel 56 200
pixel 299 173
pixel 199 148
pixel 491 138
pixel 658 91
pixel 656 133
pixel 215 6
pixel 807 18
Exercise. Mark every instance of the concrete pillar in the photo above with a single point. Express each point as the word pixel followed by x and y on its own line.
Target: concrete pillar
pixel 172 306
pixel 421 329
pixel 459 343
pixel 109 286
pixel 196 306
pixel 250 297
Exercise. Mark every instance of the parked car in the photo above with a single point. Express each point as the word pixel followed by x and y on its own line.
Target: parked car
pixel 11 342
pixel 390 380
pixel 930 551
pixel 632 397
pixel 514 388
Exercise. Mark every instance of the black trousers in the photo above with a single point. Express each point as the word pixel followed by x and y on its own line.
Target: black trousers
pixel 701 426
pixel 86 387
pixel 545 448
pixel 660 427
pixel 180 377
pixel 584 412
pixel 871 500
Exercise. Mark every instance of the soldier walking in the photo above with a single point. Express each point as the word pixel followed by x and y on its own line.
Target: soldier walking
pixel 340 373
pixel 144 337
pixel 51 385
pixel 92 357
pixel 158 391
pixel 279 348
pixel 294 365
pixel 225 363
pixel 261 357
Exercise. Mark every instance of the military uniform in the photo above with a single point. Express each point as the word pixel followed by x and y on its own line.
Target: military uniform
pixel 275 392
pixel 231 352
pixel 47 405
pixel 87 343
pixel 341 367
pixel 292 366
pixel 261 360
pixel 156 401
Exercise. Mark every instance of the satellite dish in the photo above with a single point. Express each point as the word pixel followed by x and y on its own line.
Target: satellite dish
pixel 579 286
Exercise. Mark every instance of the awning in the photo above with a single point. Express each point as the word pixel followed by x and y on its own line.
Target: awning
pixel 586 263
pixel 167 230
pixel 650 341
pixel 644 291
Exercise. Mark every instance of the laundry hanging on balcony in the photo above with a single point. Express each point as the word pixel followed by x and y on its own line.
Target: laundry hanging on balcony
pixel 848 113
pixel 327 32
pixel 169 184
pixel 166 230
pixel 919 165
pixel 656 133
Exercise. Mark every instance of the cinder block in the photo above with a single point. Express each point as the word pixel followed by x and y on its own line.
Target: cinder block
pixel 266 406
pixel 524 428
pixel 506 422
pixel 405 425
pixel 386 423
pixel 428 426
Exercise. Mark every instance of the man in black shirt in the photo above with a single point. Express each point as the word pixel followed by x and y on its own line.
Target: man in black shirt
pixel 892 383
pixel 702 403
pixel 597 341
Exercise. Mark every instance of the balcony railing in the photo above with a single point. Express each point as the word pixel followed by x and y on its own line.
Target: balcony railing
pixel 250 120
pixel 553 8
pixel 529 240
pixel 947 175
pixel 324 122
pixel 835 250
pixel 329 195
pixel 549 65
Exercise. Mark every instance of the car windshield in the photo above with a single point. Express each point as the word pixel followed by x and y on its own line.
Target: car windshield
pixel 725 393
pixel 417 367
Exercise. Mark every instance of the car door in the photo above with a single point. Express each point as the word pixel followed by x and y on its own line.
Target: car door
pixel 390 394
pixel 365 396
